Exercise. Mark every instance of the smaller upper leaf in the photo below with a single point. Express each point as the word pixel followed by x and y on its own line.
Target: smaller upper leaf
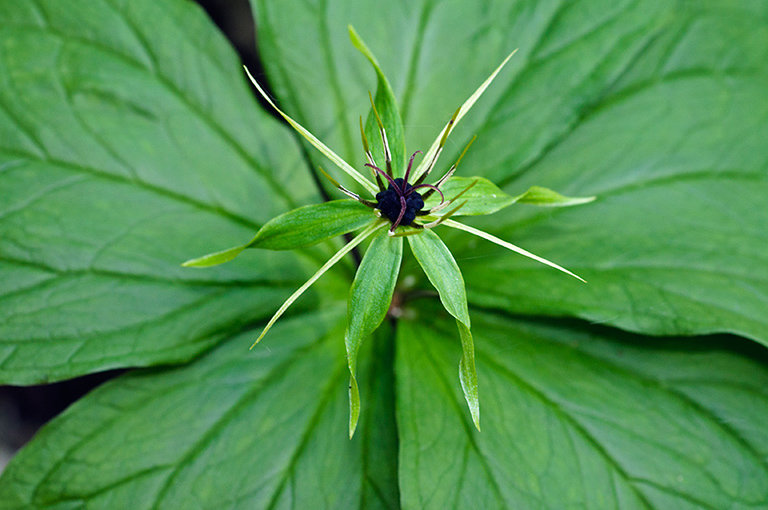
pixel 299 228
pixel 388 111
pixel 487 198
pixel 482 198
pixel 369 300
pixel 536 195
pixel 311 224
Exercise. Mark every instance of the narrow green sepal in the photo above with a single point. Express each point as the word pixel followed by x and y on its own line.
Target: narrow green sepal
pixel 320 272
pixel 492 238
pixel 369 300
pixel 324 149
pixel 437 145
pixel 389 113
pixel 537 195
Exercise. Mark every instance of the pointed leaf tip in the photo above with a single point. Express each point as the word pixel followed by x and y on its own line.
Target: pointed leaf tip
pixel 537 195
pixel 492 238
pixel 354 405
pixel 214 259
pixel 431 156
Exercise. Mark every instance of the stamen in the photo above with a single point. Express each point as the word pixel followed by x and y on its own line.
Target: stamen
pixel 450 172
pixel 344 190
pixel 418 228
pixel 439 183
pixel 447 131
pixel 390 179
pixel 446 204
pixel 408 170
pixel 399 216
pixel 432 187
pixel 445 216
pixel 387 154
pixel 369 156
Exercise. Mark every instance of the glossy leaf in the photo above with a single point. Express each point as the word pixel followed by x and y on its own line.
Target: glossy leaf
pixel 579 417
pixel 231 429
pixel 299 228
pixel 444 274
pixel 128 142
pixel 369 300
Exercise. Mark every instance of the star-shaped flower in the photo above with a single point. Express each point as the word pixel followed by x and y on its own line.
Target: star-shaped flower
pixel 399 207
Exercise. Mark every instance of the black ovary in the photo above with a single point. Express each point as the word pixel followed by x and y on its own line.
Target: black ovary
pixel 388 202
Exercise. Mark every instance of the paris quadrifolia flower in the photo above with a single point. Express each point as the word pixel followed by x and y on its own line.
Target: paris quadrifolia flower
pixel 402 204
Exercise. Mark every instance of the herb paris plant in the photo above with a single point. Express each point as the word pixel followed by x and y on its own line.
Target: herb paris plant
pixel 399 209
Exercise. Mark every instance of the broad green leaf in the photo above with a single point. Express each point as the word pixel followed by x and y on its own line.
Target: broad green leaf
pixel 389 114
pixel 580 417
pixel 369 300
pixel 299 228
pixel 128 141
pixel 658 108
pixel 236 428
pixel 444 274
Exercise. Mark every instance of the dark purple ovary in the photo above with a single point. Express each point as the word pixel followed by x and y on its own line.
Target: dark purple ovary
pixel 388 202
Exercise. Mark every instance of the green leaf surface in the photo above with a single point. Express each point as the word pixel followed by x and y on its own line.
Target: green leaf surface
pixel 580 417
pixel 128 141
pixel 657 108
pixel 369 300
pixel 233 429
